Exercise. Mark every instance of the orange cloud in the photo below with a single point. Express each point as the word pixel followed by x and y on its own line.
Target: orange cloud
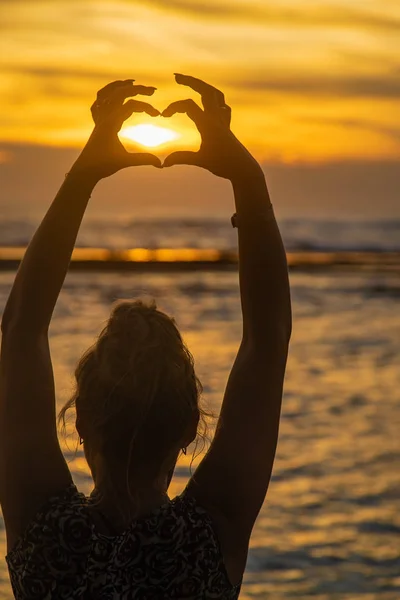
pixel 296 76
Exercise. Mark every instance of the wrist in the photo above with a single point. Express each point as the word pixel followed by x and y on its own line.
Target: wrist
pixel 248 179
pixel 77 186
pixel 250 187
pixel 82 177
pixel 252 201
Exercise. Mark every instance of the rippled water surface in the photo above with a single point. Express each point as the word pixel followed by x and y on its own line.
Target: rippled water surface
pixel 330 526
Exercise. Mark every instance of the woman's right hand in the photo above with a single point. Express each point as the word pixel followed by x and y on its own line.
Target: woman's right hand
pixel 104 154
pixel 220 152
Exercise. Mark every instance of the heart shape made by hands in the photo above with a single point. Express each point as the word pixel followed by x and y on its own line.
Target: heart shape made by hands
pixel 155 135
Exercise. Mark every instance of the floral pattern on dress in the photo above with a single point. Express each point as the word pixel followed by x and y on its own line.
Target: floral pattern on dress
pixel 171 554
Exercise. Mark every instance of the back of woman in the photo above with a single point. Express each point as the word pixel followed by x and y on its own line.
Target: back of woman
pixel 68 551
pixel 137 398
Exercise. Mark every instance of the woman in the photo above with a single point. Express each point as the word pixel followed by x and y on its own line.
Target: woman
pixel 137 398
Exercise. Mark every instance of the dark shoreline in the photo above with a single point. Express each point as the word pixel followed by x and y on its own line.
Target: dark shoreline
pixel 175 260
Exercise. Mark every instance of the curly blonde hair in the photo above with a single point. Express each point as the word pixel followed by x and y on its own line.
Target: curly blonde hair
pixel 136 398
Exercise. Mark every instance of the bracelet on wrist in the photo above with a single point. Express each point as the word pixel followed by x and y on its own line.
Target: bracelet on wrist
pixel 235 219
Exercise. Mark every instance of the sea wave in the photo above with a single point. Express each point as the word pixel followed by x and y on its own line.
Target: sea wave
pixel 300 235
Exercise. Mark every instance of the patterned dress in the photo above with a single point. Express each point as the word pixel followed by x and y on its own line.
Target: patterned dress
pixel 172 553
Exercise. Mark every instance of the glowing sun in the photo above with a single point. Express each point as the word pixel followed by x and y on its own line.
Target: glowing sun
pixel 149 135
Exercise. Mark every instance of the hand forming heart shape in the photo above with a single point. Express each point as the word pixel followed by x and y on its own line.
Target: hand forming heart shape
pixel 220 151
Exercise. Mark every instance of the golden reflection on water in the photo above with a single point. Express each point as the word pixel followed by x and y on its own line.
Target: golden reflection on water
pixel 389 261
pixel 330 525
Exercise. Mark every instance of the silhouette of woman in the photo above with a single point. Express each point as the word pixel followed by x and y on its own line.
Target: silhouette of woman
pixel 137 398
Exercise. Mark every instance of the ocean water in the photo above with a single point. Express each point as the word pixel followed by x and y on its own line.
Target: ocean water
pixel 330 525
pixel 120 231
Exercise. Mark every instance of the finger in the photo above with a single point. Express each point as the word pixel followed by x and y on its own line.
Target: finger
pixel 129 90
pixel 226 114
pixel 138 107
pixel 110 87
pixel 189 107
pixel 122 113
pixel 119 95
pixel 112 94
pixel 182 157
pixel 143 90
pixel 211 97
pixel 94 109
pixel 143 158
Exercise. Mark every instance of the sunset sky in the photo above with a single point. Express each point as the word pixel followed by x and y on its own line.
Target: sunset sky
pixel 310 83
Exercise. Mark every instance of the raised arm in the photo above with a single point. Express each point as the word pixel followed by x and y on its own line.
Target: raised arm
pixel 232 479
pixel 32 466
pixel 45 264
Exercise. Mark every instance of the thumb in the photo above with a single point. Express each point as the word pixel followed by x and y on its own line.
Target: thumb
pixel 136 159
pixel 182 157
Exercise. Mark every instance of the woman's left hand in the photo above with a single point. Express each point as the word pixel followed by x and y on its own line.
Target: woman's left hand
pixel 104 154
